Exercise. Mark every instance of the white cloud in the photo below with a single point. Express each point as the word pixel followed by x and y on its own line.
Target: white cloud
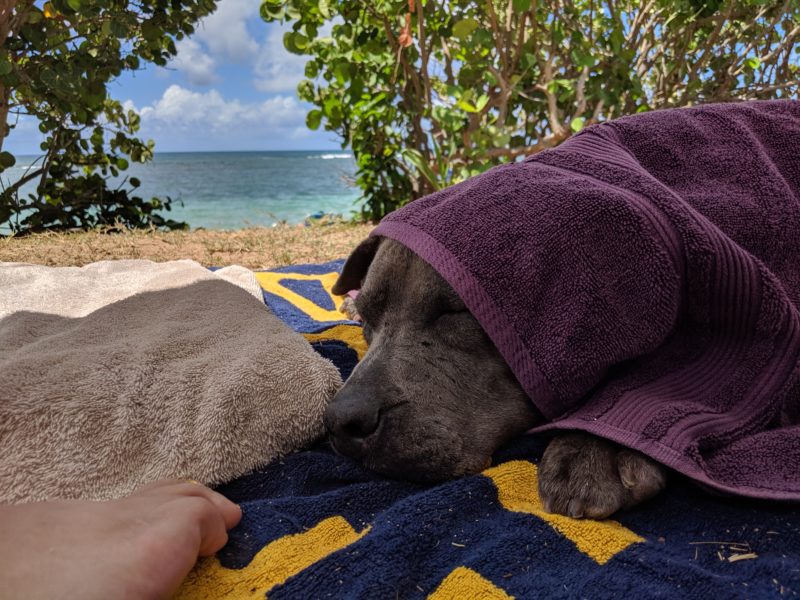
pixel 223 38
pixel 193 62
pixel 209 112
pixel 225 33
pixel 276 69
pixel 220 37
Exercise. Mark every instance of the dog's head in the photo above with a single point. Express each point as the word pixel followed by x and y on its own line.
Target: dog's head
pixel 432 399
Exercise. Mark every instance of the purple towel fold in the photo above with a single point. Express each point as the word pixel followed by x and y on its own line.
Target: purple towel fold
pixel 642 280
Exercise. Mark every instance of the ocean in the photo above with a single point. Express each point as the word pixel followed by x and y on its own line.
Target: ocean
pixel 231 190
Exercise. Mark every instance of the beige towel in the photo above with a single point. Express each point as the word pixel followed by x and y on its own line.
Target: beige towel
pixel 120 373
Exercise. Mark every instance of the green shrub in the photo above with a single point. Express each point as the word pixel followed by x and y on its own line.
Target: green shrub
pixel 428 93
pixel 56 61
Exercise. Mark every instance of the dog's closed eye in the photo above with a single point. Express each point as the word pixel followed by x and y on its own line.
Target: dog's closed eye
pixel 452 312
pixel 447 315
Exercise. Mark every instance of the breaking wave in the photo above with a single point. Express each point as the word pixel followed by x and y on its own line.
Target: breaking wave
pixel 330 156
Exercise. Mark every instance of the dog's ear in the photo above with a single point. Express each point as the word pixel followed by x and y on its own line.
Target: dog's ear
pixel 355 269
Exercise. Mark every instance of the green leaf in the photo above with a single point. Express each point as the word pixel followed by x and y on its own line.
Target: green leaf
pixel 117 29
pixel 134 181
pixel 522 5
pixel 301 41
pixel 366 108
pixel 313 119
pixel 616 39
pixel 150 31
pixel 74 4
pixel 466 106
pixel 271 11
pixel 577 124
pixel 295 42
pixel 342 72
pixel 305 90
pixel 415 158
pixel 583 60
pixel 753 62
pixel 7 159
pixel 293 12
pixel 333 108
pixel 567 84
pixel 463 28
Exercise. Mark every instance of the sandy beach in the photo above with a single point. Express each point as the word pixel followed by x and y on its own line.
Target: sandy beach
pixel 254 248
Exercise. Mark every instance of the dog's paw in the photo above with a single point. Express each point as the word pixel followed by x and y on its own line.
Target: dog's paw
pixel 348 308
pixel 581 475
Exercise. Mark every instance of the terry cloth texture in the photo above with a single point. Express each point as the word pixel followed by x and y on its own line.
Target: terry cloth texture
pixel 120 373
pixel 642 280
pixel 316 525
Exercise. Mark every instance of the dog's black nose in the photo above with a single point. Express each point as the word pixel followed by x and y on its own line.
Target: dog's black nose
pixel 351 417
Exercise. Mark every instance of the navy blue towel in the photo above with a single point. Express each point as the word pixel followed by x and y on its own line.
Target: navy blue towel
pixel 317 525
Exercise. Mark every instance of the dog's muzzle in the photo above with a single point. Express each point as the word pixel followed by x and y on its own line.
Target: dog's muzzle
pixel 352 418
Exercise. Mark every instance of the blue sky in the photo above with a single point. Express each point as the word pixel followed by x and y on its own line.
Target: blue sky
pixel 231 87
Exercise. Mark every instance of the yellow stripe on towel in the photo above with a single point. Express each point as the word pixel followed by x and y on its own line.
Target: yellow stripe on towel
pixel 351 335
pixel 518 491
pixel 271 282
pixel 274 564
pixel 466 584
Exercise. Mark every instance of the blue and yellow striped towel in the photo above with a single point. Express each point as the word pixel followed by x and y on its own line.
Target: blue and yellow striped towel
pixel 316 525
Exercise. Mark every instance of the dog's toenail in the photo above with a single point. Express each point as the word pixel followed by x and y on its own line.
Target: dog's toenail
pixel 575 509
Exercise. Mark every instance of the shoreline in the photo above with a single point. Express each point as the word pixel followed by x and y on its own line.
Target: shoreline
pixel 235 190
pixel 254 248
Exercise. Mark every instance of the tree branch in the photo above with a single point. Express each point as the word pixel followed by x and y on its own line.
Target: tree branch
pixel 548 142
pixel 497 35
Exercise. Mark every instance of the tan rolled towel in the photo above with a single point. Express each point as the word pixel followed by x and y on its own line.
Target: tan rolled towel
pixel 123 372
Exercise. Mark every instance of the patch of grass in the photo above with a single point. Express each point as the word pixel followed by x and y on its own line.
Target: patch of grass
pixel 254 248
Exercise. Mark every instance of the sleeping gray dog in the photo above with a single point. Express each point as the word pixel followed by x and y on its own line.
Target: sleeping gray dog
pixel 433 399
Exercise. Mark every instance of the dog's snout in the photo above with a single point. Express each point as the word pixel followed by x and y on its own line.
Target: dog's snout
pixel 352 416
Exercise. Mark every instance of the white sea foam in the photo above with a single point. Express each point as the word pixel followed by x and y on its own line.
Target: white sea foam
pixel 331 156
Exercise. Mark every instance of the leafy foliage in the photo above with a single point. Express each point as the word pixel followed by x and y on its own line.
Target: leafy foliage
pixel 428 93
pixel 56 61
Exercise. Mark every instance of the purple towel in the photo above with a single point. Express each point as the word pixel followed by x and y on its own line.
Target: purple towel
pixel 642 280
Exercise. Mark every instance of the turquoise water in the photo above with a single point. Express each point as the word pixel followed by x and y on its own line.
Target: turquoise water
pixel 230 190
